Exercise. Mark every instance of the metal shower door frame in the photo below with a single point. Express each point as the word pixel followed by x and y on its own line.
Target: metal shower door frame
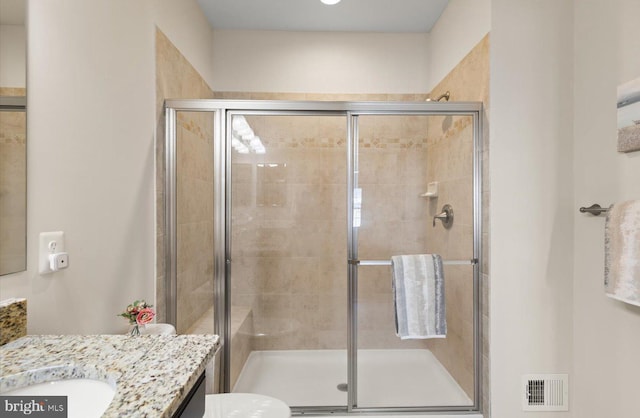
pixel 222 112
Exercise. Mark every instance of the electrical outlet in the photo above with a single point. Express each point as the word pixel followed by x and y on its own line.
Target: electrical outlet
pixel 50 243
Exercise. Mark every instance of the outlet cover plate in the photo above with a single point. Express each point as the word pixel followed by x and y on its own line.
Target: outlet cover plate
pixel 44 251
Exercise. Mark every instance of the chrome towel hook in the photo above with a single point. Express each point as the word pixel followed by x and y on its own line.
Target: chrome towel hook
pixel 446 216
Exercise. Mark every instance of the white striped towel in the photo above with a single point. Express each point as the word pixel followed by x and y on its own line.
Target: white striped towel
pixel 418 288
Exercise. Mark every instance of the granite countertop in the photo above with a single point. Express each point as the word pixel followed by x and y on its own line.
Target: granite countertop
pixel 152 374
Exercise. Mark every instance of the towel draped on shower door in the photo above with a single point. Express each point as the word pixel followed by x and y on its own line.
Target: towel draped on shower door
pixel 418 289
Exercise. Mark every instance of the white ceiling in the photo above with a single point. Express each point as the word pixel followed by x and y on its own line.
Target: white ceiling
pixel 12 12
pixel 299 15
pixel 312 15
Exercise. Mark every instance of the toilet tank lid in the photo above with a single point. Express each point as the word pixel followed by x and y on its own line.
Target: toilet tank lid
pixel 154 329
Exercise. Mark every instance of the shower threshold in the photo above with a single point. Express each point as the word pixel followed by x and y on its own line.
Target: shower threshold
pixel 386 378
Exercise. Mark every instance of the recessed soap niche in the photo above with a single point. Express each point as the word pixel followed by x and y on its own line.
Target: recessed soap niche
pixel 271 185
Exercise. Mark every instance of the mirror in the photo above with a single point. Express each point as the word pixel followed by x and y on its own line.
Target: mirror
pixel 13 137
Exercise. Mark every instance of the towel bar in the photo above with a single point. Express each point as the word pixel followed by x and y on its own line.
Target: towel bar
pixel 388 262
pixel 594 209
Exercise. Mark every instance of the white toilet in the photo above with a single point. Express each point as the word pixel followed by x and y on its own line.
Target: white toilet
pixel 245 405
pixel 159 328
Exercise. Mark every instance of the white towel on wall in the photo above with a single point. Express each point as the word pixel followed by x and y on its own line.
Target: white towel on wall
pixel 418 289
pixel 622 252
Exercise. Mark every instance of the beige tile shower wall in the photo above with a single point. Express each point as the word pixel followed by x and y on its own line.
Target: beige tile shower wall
pixel 194 218
pixel 176 78
pixel 238 95
pixel 392 175
pixel 450 161
pixel 289 233
pixel 13 186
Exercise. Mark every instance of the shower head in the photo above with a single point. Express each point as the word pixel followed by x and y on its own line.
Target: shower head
pixel 444 96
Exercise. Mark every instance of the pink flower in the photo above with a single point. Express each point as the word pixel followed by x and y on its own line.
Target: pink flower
pixel 145 316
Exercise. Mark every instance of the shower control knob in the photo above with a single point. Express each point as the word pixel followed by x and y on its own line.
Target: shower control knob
pixel 446 216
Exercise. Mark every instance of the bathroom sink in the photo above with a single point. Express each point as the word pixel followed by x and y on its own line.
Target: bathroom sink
pixel 85 397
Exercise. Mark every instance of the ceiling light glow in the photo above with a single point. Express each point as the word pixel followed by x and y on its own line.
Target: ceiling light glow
pixel 243 139
pixel 330 2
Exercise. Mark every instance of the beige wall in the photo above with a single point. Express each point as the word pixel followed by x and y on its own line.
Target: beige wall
pixel 450 163
pixel 176 78
pixel 323 62
pixel 90 158
pixel 555 67
pixel 606 337
pixel 532 207
pixel 460 27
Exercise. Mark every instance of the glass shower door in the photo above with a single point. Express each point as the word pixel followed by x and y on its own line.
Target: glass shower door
pixel 288 270
pixel 397 159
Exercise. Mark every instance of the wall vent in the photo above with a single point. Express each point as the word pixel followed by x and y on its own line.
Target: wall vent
pixel 545 392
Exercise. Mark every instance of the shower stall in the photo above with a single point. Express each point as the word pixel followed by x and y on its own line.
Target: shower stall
pixel 281 220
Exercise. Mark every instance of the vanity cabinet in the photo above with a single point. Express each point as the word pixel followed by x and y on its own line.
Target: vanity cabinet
pixel 193 405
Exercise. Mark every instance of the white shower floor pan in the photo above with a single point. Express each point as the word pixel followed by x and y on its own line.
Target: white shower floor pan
pixel 386 378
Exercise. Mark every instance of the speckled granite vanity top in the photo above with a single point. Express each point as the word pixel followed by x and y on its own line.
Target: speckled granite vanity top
pixel 152 373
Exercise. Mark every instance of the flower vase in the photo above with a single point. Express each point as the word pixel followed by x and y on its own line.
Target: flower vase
pixel 136 329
